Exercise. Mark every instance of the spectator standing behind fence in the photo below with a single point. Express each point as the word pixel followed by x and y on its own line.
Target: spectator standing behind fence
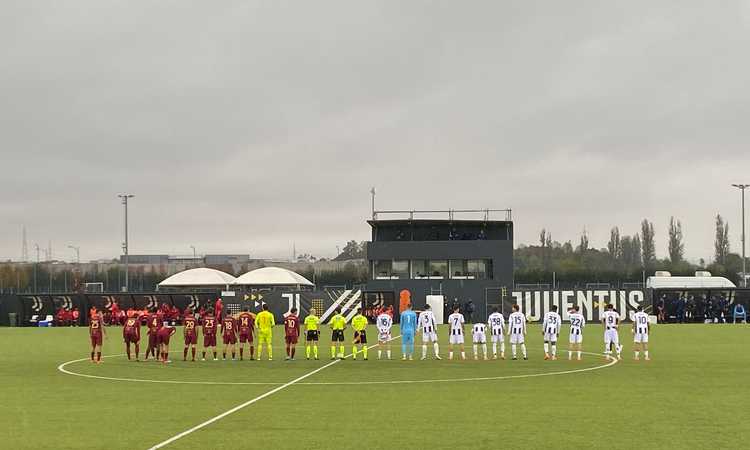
pixel 708 310
pixel 739 313
pixel 724 309
pixel 690 309
pixel 718 309
pixel 680 309
pixel 469 311
pixel 455 305
pixel 661 309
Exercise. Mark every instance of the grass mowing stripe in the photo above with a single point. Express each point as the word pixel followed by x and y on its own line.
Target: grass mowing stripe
pixel 250 402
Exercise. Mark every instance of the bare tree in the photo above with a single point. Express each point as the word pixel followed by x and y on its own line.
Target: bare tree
pixel 615 246
pixel 676 247
pixel 721 242
pixel 647 244
pixel 584 243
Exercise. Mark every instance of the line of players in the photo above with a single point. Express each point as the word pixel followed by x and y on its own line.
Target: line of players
pixel 516 332
pixel 243 328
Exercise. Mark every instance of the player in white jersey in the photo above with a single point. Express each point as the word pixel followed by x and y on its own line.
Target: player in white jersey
pixel 384 322
pixel 517 331
pixel 496 322
pixel 610 321
pixel 479 338
pixel 550 331
pixel 641 329
pixel 426 323
pixel 456 323
pixel 577 322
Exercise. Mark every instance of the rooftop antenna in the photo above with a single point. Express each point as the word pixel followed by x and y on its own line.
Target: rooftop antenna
pixel 374 214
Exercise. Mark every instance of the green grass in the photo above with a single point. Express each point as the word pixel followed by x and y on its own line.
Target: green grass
pixel 692 394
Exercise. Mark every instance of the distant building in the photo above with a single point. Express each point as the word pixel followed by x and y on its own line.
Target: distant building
pixel 186 259
pixel 146 259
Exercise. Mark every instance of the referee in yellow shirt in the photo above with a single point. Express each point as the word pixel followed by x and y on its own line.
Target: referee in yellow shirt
pixel 265 322
pixel 359 323
pixel 337 324
pixel 311 339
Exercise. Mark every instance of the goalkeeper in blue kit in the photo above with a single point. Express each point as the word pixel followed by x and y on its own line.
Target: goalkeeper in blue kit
pixel 408 324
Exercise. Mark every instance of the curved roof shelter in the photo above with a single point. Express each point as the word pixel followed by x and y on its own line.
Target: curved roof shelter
pixel 272 276
pixel 699 282
pixel 202 276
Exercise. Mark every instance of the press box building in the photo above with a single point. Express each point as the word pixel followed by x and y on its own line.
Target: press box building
pixel 461 259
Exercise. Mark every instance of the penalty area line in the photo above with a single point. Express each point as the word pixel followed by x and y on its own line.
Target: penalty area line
pixel 250 402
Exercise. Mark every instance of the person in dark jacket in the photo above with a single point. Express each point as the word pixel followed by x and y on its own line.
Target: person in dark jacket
pixel 469 311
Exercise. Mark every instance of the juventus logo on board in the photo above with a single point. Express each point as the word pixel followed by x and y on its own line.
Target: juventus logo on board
pixel 193 305
pixel 36 304
pixel 293 302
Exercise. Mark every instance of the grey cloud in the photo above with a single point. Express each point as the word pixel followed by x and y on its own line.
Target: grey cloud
pixel 245 126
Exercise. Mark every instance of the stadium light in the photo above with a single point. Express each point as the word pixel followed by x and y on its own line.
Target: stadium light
pixel 125 198
pixel 742 187
pixel 193 247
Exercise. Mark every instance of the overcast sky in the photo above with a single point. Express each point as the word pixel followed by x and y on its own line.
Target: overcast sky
pixel 246 126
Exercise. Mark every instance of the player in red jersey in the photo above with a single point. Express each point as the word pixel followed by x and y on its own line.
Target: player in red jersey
pixel 96 333
pixel 291 331
pixel 229 333
pixel 247 329
pixel 209 334
pixel 164 333
pixel 153 323
pixel 131 333
pixel 191 334
pixel 218 309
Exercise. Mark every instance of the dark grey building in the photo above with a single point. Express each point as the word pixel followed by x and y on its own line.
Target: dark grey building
pixel 463 260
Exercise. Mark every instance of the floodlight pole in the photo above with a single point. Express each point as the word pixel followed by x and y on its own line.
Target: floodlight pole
pixel 125 198
pixel 35 265
pixel 742 187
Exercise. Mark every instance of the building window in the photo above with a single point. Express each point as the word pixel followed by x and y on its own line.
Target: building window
pixel 419 269
pixel 438 269
pixel 479 269
pixel 383 269
pixel 457 269
pixel 400 269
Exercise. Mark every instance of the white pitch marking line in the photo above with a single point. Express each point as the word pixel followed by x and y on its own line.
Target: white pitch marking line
pixel 249 402
pixel 62 368
pixel 239 407
pixel 448 380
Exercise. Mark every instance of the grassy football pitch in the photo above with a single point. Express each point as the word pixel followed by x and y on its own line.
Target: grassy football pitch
pixel 692 394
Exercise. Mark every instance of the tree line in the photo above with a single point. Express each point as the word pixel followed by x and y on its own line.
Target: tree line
pixel 625 258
